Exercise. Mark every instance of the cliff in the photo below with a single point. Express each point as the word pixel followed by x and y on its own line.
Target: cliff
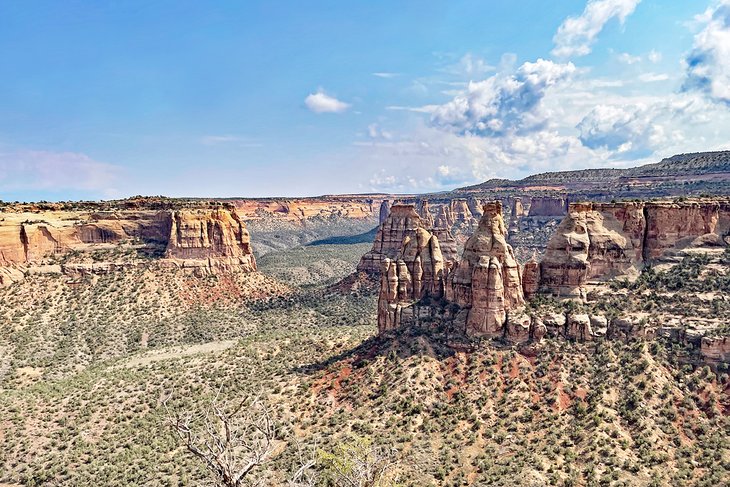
pixel 212 239
pixel 602 241
pixel 206 239
pixel 416 273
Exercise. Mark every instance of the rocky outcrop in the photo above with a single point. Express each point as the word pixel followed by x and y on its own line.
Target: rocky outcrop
pixel 486 284
pixel 202 238
pixel 384 210
pixel 403 222
pixel 416 273
pixel 531 277
pixel 444 217
pixel 211 239
pixel 715 349
pixel 424 210
pixel 602 241
pixel 548 206
pixel 487 279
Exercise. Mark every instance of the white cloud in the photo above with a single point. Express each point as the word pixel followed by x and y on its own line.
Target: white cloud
pixel 654 56
pixel 385 75
pixel 24 170
pixel 376 132
pixel 502 103
pixel 629 130
pixel 576 35
pixel 627 58
pixel 653 77
pixel 708 65
pixel 322 103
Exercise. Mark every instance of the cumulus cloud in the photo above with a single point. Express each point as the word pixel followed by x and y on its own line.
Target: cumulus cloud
pixel 576 35
pixel 628 130
pixel 502 103
pixel 320 102
pixel 708 65
pixel 55 171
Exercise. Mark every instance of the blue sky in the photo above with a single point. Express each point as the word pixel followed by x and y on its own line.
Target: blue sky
pixel 264 98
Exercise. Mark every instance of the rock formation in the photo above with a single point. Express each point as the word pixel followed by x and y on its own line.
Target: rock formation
pixel 384 210
pixel 208 238
pixel 486 283
pixel 487 280
pixel 444 217
pixel 424 210
pixel 461 212
pixel 548 206
pixel 403 221
pixel 212 239
pixel 416 273
pixel 601 241
pixel 531 277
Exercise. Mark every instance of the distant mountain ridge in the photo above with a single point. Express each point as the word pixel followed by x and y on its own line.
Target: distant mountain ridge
pixel 681 165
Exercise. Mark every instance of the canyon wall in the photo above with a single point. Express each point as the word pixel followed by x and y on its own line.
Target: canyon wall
pixel 602 241
pixel 204 239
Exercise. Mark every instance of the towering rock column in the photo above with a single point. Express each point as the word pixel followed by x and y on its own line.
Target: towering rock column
pixel 487 280
pixel 416 273
pixel 384 211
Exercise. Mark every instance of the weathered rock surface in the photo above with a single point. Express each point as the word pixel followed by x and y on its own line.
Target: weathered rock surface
pixel 601 241
pixel 487 280
pixel 486 283
pixel 384 210
pixel 715 349
pixel 531 277
pixel 548 206
pixel 417 273
pixel 209 238
pixel 213 239
pixel 403 222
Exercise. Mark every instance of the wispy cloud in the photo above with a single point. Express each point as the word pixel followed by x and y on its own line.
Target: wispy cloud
pixel 576 35
pixel 320 102
pixel 385 75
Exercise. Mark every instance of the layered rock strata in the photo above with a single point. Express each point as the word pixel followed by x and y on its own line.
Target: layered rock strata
pixel 403 221
pixel 485 285
pixel 602 241
pixel 201 238
pixel 416 273
pixel 487 280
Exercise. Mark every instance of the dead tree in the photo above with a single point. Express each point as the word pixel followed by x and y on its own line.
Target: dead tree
pixel 230 441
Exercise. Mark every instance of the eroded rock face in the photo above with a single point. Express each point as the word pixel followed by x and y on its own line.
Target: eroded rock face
pixel 548 206
pixel 486 282
pixel 216 239
pixel 531 277
pixel 424 210
pixel 209 238
pixel 602 241
pixel 403 222
pixel 384 210
pixel 715 349
pixel 416 273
